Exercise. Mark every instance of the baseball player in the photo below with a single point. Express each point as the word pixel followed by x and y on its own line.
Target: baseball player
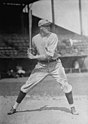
pixel 45 43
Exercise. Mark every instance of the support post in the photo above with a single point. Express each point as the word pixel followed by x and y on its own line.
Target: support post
pixel 80 16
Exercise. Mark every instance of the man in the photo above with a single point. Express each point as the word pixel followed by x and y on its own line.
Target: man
pixel 45 43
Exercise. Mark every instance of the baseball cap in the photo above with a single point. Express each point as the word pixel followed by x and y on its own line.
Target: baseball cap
pixel 43 22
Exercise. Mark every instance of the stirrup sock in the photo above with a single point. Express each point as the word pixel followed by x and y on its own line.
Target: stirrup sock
pixel 69 97
pixel 20 97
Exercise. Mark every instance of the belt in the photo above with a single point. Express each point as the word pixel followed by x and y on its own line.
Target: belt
pixel 48 61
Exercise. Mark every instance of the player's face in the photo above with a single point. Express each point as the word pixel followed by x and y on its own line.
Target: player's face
pixel 45 29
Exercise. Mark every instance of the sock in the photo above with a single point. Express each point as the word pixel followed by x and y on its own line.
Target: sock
pixel 69 97
pixel 72 105
pixel 20 97
pixel 16 105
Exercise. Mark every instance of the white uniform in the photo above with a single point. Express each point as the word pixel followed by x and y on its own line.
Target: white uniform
pixel 47 46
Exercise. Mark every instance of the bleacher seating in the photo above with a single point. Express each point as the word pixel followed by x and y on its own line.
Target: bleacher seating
pixel 16 46
pixel 13 46
pixel 81 46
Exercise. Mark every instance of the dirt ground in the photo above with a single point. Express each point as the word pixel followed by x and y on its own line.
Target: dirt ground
pixel 46 103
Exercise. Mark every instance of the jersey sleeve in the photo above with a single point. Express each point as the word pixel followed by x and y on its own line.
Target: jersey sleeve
pixel 52 45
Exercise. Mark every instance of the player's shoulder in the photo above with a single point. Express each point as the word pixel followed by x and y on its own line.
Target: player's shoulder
pixel 54 35
pixel 36 36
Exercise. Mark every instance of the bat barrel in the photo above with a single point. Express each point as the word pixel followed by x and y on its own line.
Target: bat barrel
pixel 30 25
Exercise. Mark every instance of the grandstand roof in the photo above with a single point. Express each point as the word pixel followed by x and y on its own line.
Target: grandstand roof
pixel 17 2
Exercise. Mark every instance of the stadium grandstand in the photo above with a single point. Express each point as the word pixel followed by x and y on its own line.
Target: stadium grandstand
pixel 14 40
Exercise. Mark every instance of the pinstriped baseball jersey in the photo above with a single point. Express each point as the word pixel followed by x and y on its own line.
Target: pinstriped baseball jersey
pixel 46 45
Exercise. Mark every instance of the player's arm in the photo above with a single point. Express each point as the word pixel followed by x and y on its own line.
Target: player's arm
pixel 50 50
pixel 36 55
pixel 33 51
pixel 52 45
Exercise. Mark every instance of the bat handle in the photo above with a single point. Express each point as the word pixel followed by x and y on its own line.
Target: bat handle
pixel 30 49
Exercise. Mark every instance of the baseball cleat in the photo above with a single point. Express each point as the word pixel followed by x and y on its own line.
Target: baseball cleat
pixel 12 111
pixel 73 111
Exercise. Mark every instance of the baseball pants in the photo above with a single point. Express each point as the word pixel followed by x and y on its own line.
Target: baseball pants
pixel 55 69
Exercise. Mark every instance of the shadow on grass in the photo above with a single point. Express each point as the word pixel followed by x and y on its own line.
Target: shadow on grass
pixel 64 109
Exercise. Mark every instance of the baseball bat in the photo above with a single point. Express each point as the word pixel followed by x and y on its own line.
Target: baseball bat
pixel 30 26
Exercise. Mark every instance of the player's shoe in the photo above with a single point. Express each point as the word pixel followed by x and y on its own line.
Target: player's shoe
pixel 73 111
pixel 12 111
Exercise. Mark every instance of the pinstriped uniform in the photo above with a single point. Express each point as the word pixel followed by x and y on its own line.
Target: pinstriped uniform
pixel 47 45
